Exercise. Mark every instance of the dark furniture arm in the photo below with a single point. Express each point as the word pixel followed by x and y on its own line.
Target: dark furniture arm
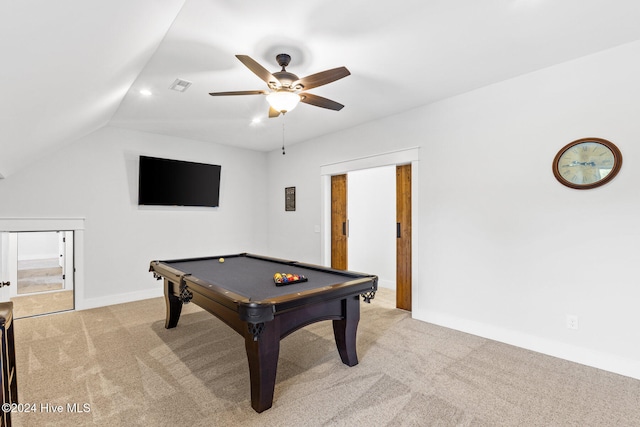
pixel 9 387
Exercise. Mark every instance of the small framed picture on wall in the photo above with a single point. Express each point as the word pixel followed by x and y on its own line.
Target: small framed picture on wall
pixel 290 199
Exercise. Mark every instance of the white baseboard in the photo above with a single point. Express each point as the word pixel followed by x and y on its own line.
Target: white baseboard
pixel 88 303
pixel 605 361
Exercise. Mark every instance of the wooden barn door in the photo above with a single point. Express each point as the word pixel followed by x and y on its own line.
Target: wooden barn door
pixel 403 234
pixel 339 225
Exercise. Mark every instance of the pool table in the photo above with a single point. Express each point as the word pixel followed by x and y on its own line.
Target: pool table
pixel 241 291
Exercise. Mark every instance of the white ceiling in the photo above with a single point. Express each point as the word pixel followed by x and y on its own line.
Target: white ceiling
pixel 70 67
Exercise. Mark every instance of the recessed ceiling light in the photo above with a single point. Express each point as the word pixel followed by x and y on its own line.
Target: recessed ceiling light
pixel 145 92
pixel 256 121
pixel 180 85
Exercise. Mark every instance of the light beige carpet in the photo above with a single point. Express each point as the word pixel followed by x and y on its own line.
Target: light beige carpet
pixel 130 371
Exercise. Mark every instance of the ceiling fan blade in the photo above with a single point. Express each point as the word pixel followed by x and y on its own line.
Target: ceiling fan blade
pixel 257 69
pixel 318 101
pixel 273 112
pixel 322 78
pixel 240 92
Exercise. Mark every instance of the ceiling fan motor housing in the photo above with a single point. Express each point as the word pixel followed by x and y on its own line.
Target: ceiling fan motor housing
pixel 286 79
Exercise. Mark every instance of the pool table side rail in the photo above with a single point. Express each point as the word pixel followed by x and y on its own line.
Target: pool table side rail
pixel 240 255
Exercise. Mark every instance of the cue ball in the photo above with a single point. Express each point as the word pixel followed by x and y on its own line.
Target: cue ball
pixel 221 260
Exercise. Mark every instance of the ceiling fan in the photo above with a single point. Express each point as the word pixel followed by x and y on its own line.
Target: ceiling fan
pixel 286 89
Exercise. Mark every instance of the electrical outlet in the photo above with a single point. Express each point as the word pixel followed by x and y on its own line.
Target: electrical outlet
pixel 572 321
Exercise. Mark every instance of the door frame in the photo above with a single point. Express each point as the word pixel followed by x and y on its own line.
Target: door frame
pixel 56 224
pixel 400 157
pixel 10 266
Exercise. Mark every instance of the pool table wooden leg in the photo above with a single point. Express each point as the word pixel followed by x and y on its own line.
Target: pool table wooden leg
pixel 345 330
pixel 174 305
pixel 262 355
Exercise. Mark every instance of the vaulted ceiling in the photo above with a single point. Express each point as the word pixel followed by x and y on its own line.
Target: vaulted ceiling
pixel 70 67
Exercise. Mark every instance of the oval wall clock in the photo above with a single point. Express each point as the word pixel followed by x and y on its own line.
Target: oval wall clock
pixel 587 163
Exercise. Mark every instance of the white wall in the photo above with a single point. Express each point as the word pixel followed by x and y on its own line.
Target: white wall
pixel 37 245
pixel 372 223
pixel 96 178
pixel 505 251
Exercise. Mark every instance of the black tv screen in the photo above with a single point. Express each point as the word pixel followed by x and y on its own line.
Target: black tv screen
pixel 169 182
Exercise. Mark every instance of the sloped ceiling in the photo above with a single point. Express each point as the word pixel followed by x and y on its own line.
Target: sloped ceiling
pixel 67 65
pixel 70 67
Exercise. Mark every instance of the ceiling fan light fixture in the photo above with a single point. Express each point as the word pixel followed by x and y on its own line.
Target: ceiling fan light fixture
pixel 283 100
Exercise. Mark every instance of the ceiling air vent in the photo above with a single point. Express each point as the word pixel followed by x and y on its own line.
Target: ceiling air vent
pixel 180 85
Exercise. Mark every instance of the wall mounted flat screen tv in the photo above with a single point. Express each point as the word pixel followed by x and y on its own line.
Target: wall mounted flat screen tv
pixel 168 182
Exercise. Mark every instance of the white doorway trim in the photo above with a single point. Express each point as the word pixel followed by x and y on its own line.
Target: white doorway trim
pixel 56 224
pixel 41 224
pixel 400 157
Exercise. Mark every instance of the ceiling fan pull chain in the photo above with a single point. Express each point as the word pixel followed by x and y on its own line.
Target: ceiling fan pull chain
pixel 283 135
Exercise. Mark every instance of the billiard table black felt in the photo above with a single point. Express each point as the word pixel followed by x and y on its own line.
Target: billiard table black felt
pixel 252 277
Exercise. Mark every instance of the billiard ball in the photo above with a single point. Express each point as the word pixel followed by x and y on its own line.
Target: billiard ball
pixel 221 260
